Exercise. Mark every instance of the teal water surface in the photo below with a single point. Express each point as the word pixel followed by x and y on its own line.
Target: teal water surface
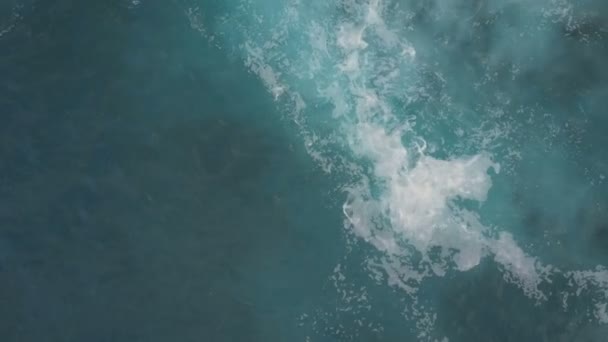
pixel 289 170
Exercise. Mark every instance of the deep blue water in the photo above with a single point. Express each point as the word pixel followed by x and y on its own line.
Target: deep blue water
pixel 290 170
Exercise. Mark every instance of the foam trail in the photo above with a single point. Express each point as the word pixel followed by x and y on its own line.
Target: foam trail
pixel 348 79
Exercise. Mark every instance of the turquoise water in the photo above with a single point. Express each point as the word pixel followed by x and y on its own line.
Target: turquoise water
pixel 289 170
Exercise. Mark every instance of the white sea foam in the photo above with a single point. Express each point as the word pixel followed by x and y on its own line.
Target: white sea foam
pixel 416 209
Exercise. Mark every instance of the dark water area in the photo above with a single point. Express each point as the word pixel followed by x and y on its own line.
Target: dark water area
pixel 140 199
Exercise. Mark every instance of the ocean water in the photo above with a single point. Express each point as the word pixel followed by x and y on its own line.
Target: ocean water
pixel 290 170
